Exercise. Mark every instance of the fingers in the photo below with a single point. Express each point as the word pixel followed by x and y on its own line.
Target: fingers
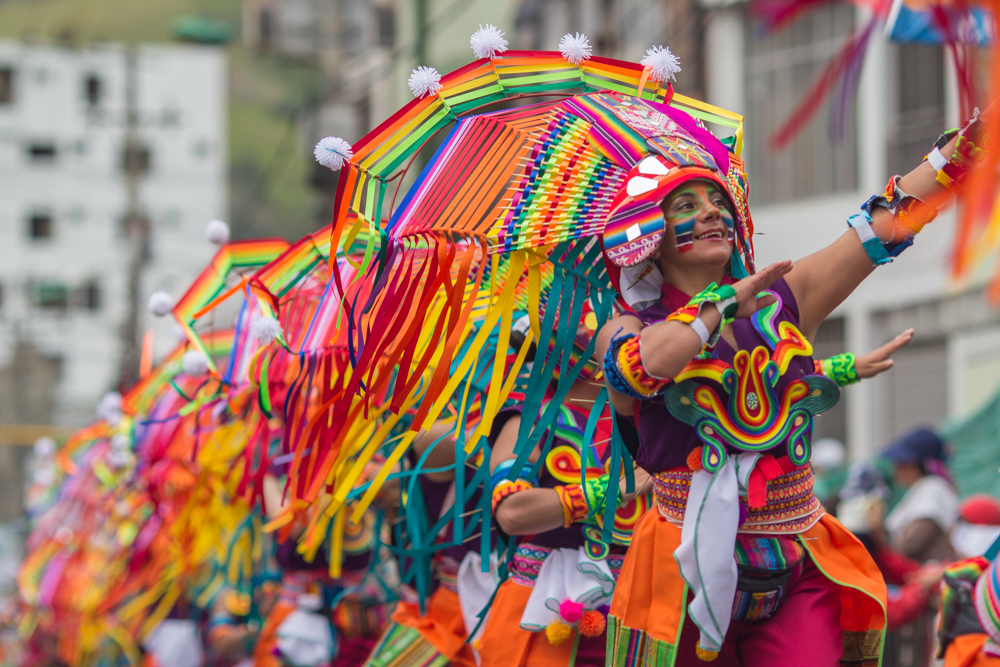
pixel 765 301
pixel 768 275
pixel 877 367
pixel 899 341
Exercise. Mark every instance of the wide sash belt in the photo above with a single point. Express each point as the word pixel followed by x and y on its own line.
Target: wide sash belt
pixel 791 506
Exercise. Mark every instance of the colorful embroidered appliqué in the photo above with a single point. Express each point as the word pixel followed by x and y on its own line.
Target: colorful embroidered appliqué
pixel 753 417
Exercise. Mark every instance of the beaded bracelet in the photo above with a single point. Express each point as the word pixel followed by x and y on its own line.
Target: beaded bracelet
pixel 723 297
pixel 508 488
pixel 582 503
pixel 839 368
pixel 625 371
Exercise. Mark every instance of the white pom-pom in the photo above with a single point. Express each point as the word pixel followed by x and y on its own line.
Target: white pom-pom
pixel 575 48
pixel 118 459
pixel 662 64
pixel 488 41
pixel 110 407
pixel 121 442
pixel 45 447
pixel 194 363
pixel 264 329
pixel 160 304
pixel 424 81
pixel 217 231
pixel 333 152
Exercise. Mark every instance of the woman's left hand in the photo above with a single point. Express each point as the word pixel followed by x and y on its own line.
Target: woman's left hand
pixel 878 361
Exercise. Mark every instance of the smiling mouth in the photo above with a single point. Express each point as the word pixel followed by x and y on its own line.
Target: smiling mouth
pixel 712 235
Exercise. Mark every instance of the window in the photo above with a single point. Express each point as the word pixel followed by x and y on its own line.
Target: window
pixel 919 107
pixel 137 157
pixel 265 27
pixel 385 21
pixel 6 84
pixel 40 226
pixel 781 68
pixel 87 296
pixel 42 151
pixel 49 294
pixel 92 90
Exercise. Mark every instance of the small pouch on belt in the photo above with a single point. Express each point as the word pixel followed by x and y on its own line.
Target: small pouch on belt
pixel 765 565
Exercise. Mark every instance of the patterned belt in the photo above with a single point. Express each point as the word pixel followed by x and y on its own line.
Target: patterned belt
pixel 791 507
pixel 528 559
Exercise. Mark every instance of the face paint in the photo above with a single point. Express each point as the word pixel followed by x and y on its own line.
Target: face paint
pixel 683 221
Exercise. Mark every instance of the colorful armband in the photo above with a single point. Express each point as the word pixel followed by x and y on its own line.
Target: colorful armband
pixel 839 368
pixel 508 488
pixel 582 503
pixel 625 371
pixel 502 486
pixel 909 215
pixel 722 297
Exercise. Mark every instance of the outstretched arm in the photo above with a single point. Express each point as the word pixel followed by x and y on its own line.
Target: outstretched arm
pixel 823 280
pixel 846 369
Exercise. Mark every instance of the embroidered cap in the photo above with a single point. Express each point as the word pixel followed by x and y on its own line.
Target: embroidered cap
pixel 635 224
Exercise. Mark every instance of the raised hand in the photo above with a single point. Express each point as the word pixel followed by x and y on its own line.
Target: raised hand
pixel 748 288
pixel 877 361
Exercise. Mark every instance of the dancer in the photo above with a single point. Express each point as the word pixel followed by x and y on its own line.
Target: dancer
pixel 717 377
pixel 551 611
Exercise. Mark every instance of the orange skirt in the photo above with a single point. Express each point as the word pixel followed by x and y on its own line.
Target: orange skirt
pixel 964 651
pixel 506 644
pixel 267 640
pixel 650 601
pixel 442 626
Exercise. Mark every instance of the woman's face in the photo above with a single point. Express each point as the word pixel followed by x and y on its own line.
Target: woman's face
pixel 907 474
pixel 700 228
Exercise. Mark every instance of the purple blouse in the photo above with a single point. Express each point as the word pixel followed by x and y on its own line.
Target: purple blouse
pixel 664 442
pixel 435 493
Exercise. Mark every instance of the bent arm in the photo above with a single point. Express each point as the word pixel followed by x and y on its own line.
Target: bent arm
pixel 667 347
pixel 823 280
pixel 535 511
pixel 531 511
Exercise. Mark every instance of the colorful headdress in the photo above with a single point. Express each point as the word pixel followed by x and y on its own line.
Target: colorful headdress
pixel 679 150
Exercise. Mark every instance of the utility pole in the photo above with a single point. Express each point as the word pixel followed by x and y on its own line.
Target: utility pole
pixel 136 222
pixel 420 48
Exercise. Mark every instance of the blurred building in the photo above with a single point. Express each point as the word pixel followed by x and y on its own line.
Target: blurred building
pixel 63 203
pixel 366 50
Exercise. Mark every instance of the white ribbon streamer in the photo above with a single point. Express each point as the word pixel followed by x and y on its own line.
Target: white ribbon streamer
pixel 708 539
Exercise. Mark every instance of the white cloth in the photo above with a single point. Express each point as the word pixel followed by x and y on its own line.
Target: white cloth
pixel 970 539
pixel 305 639
pixel 930 497
pixel 567 574
pixel 475 588
pixel 708 539
pixel 641 292
pixel 176 643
